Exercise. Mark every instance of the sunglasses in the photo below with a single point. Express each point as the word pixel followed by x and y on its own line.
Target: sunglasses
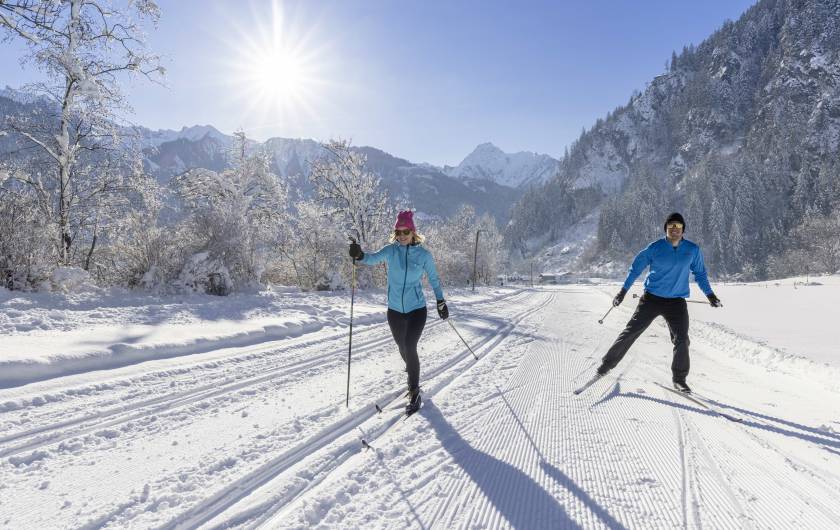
pixel 406 232
pixel 675 225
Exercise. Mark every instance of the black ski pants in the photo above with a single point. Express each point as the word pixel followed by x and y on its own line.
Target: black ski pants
pixel 406 329
pixel 675 312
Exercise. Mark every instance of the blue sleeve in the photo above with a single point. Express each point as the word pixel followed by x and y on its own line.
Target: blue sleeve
pixel 640 262
pixel 698 267
pixel 377 257
pixel 432 275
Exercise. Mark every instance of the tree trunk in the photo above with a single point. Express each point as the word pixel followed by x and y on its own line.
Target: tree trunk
pixel 90 253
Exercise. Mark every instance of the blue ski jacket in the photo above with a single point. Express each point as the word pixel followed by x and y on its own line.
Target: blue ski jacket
pixel 669 267
pixel 406 265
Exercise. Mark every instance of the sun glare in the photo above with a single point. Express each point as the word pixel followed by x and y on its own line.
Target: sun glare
pixel 275 71
pixel 279 76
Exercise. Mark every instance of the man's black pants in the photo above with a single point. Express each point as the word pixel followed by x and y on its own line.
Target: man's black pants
pixel 406 329
pixel 675 312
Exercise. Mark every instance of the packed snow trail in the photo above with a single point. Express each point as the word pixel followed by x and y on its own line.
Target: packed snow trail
pixel 258 436
pixel 507 445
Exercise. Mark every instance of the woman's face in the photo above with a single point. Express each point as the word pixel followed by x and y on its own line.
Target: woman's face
pixel 404 235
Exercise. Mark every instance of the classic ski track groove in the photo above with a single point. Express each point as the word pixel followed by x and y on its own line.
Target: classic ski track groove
pixel 109 418
pixel 731 433
pixel 207 510
pixel 688 499
pixel 807 490
pixel 743 520
pixel 829 480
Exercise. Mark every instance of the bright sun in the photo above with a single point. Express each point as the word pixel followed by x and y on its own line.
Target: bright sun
pixel 275 72
pixel 279 77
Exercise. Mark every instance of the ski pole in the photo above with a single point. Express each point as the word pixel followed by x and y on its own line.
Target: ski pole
pixel 605 314
pixel 350 342
pixel 689 301
pixel 462 339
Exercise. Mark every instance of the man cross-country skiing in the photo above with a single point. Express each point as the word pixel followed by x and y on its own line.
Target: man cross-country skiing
pixel 670 259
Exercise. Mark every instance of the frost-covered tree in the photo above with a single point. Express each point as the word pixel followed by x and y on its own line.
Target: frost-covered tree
pixel 234 217
pixel 818 237
pixel 24 239
pixel 84 48
pixel 452 241
pixel 142 250
pixel 353 195
pixel 313 255
pixel 357 204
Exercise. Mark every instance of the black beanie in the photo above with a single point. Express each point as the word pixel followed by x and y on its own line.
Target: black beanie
pixel 674 217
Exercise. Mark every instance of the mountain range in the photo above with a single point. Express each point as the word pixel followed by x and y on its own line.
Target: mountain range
pixel 488 179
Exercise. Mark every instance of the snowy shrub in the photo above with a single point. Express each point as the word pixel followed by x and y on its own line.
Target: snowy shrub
pixel 140 251
pixel 26 258
pixel 234 216
pixel 70 280
pixel 204 274
pixel 331 280
pixel 310 254
pixel 452 242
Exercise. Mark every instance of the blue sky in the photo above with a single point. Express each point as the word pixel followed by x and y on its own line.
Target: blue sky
pixel 425 80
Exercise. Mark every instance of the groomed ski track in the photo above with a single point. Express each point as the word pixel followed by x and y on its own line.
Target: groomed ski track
pixel 247 441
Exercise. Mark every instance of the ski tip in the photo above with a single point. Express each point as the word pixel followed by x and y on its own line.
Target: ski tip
pixel 378 408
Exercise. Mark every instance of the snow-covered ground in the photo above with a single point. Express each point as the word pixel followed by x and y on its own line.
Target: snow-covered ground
pixel 123 411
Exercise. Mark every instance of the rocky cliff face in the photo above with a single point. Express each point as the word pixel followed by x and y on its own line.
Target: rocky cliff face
pixel 741 132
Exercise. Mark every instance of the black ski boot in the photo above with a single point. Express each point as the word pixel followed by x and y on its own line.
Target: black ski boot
pixel 682 387
pixel 413 401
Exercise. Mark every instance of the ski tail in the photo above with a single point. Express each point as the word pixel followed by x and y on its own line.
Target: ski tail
pixel 702 403
pixel 597 377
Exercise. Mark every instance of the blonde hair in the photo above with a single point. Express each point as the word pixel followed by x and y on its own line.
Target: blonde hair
pixel 416 237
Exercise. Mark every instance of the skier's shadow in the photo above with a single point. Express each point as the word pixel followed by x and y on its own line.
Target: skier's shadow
pixel 823 440
pixel 561 478
pixel 788 423
pixel 517 497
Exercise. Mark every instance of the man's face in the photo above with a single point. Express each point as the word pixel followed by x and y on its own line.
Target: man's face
pixel 674 231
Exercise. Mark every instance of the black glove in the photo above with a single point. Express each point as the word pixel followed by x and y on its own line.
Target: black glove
pixel 356 251
pixel 619 297
pixel 714 300
pixel 443 311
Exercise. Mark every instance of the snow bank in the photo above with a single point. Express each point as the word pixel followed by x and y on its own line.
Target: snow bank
pixel 48 335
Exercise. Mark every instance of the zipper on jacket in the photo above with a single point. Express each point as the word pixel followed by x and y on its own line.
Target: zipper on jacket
pixel 405 276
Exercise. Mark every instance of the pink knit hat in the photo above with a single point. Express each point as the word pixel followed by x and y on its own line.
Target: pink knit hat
pixel 405 219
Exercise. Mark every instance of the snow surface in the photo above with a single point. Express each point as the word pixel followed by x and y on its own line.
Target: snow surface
pixel 230 412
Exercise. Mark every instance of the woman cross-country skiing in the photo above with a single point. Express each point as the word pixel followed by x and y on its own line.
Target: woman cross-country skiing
pixel 407 260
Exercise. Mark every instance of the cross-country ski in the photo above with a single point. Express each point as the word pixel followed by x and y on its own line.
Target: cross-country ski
pixel 690 396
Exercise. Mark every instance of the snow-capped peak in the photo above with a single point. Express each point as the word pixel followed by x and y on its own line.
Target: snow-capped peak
pixel 150 138
pixel 488 162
